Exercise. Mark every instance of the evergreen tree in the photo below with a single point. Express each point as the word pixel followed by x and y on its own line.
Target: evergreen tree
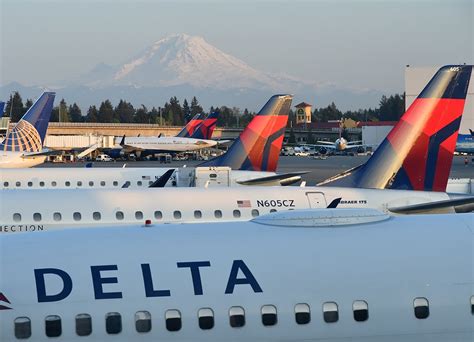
pixel 124 112
pixel 154 116
pixel 292 137
pixel 176 112
pixel 28 104
pixel 141 115
pixel 186 111
pixel 75 113
pixel 92 114
pixel 15 107
pixel 54 115
pixel 195 107
pixel 63 112
pixel 106 112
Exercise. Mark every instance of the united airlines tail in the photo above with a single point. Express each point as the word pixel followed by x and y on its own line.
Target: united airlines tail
pixel 258 146
pixel 29 133
pixel 417 153
pixel 206 128
pixel 191 126
pixel 2 108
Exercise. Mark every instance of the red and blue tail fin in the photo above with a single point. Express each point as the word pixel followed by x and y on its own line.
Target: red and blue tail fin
pixel 417 153
pixel 29 133
pixel 206 128
pixel 191 126
pixel 258 146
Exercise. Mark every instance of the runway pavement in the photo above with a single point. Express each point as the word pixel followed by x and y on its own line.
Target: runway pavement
pixel 320 169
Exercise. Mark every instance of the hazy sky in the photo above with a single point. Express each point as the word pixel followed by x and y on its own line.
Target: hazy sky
pixel 360 44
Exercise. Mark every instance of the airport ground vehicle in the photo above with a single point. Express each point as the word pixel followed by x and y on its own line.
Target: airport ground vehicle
pixel 103 158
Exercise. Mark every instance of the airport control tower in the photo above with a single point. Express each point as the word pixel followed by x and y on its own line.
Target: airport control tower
pixel 303 113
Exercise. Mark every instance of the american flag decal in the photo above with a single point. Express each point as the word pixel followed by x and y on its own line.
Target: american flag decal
pixel 244 204
pixel 4 300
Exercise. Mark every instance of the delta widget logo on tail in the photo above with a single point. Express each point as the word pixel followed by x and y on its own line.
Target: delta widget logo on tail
pixel 4 302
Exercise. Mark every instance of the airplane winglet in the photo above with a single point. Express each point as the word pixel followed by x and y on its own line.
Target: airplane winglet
pixel 161 182
pixel 122 142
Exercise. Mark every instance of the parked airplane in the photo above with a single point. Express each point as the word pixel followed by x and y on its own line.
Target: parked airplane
pixel 465 143
pixel 330 275
pixel 196 135
pixel 191 126
pixel 418 152
pixel 23 145
pixel 94 207
pixel 339 145
pixel 260 144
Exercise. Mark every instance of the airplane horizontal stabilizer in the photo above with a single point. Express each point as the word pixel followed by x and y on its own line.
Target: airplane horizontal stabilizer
pixel 465 204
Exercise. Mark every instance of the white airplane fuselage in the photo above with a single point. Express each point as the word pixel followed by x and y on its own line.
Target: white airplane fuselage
pixel 40 210
pixel 9 159
pixel 399 279
pixel 164 144
pixel 108 178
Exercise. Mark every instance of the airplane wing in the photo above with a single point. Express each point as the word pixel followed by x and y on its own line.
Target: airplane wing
pixel 43 153
pixel 354 142
pixel 283 178
pixel 161 182
pixel 465 204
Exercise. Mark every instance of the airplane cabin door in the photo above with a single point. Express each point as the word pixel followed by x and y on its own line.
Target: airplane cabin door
pixel 316 200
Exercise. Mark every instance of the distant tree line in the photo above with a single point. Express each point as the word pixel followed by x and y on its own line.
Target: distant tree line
pixel 174 114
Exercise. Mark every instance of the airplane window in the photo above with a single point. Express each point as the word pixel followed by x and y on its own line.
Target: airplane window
pixel 142 321
pixel 302 313
pixel 18 184
pixel 76 216
pixel 79 183
pixel 139 183
pixel 96 216
pixel 113 323
pixel 57 216
pixel 360 309
pixel 217 214
pixel 138 215
pixel 472 305
pixel 197 214
pixel 236 213
pixel 173 320
pixel 67 183
pixel 41 184
pixel 5 184
pixel 115 183
pixel 37 217
pixel 53 183
pixel 236 317
pixel 83 324
pixel 158 215
pixel 330 312
pixel 421 306
pixel 91 183
pixel 119 215
pixel 255 213
pixel 206 318
pixel 30 184
pixel 17 217
pixel 273 210
pixel 269 315
pixel 102 183
pixel 177 214
pixel 53 326
pixel 22 327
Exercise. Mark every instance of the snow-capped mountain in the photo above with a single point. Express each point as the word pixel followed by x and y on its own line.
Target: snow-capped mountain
pixel 185 66
pixel 182 59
